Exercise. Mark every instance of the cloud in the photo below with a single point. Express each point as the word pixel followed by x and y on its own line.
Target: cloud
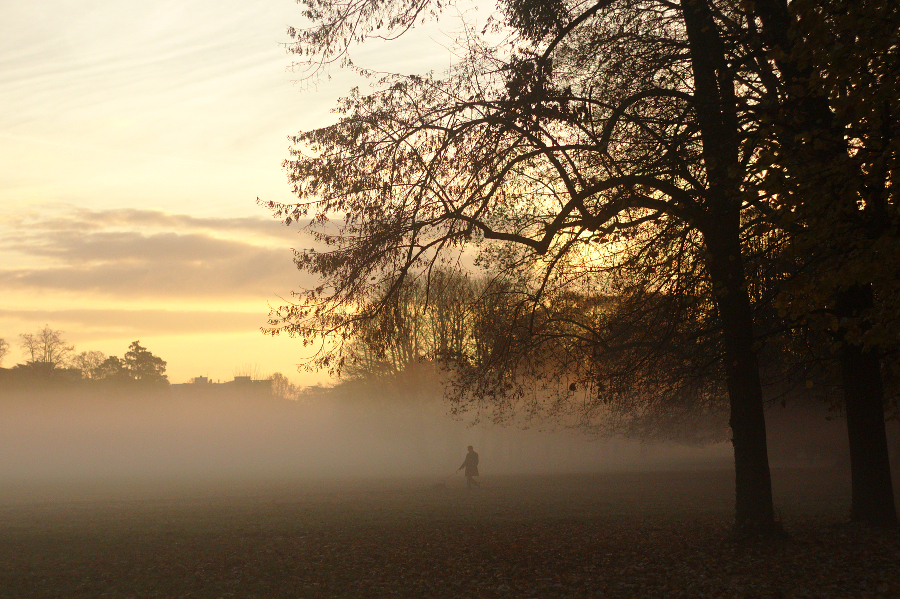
pixel 106 323
pixel 31 224
pixel 137 254
pixel 134 248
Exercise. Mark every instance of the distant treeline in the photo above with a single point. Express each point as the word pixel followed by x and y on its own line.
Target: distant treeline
pixel 50 360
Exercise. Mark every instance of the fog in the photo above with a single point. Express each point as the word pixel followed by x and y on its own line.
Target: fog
pixel 202 492
pixel 225 434
pixel 176 435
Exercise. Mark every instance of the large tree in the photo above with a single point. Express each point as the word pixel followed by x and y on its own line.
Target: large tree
pixel 830 117
pixel 601 121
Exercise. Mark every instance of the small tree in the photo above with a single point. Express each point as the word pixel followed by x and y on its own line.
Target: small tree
pixel 4 349
pixel 112 369
pixel 46 346
pixel 282 387
pixel 88 362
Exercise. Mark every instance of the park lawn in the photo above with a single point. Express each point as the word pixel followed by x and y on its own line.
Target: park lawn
pixel 650 534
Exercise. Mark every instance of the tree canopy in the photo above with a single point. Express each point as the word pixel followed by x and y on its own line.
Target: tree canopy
pixel 143 367
pixel 633 178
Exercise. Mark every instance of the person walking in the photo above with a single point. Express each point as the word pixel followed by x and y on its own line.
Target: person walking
pixel 471 466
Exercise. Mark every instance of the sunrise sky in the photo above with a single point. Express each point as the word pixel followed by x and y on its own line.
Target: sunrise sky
pixel 136 137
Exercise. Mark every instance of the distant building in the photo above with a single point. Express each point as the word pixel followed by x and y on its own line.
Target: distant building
pixel 240 384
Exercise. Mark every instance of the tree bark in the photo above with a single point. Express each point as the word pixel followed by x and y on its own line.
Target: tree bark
pixel 861 378
pixel 754 509
pixel 870 471
pixel 715 106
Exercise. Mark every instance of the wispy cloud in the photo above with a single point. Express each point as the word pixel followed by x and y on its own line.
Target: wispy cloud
pixel 110 323
pixel 146 254
pixel 34 220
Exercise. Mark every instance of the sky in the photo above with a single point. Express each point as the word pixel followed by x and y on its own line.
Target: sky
pixel 135 138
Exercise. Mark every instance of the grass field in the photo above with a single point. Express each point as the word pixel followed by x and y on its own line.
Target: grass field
pixel 651 534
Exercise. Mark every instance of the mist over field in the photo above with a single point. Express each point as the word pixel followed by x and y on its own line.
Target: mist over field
pixel 203 492
pixel 232 435
pixel 184 434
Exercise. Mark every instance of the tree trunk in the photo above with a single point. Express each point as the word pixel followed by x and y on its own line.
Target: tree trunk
pixel 715 106
pixel 754 510
pixel 872 489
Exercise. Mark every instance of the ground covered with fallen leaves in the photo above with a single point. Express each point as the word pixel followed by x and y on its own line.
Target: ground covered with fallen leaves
pixel 652 534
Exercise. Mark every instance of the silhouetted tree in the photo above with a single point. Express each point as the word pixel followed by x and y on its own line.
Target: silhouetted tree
pixel 602 121
pixel 283 388
pixel 88 363
pixel 143 367
pixel 638 359
pixel 429 320
pixel 830 117
pixel 139 367
pixel 4 349
pixel 111 370
pixel 46 346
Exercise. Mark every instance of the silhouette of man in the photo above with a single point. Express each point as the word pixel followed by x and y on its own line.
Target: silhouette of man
pixel 471 466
